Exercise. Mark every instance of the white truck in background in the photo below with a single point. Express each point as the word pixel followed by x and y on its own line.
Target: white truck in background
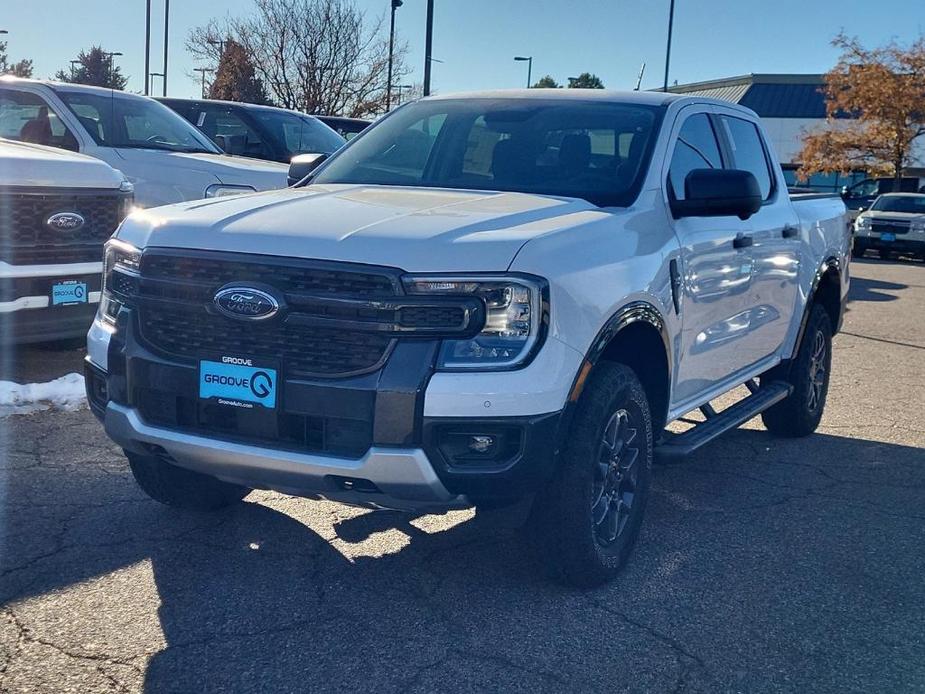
pixel 165 157
pixel 57 209
pixel 485 299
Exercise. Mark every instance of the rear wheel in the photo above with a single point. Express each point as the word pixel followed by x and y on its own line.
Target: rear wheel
pixel 585 522
pixel 176 486
pixel 800 413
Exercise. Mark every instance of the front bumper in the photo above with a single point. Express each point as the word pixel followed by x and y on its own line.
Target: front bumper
pixel 911 243
pixel 26 311
pixel 404 462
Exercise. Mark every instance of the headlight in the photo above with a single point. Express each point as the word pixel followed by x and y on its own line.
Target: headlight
pixel 862 223
pixel 514 320
pixel 121 256
pixel 220 190
pixel 918 226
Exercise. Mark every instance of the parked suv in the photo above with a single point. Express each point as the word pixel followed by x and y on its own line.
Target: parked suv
pixel 894 224
pixel 165 157
pixel 57 209
pixel 262 132
pixel 492 299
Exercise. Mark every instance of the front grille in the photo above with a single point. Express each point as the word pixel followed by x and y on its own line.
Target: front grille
pixel 175 318
pixel 26 238
pixel 893 226
pixel 191 333
pixel 213 273
pixel 332 435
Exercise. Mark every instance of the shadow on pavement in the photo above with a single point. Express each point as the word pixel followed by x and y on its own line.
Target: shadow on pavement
pixel 864 289
pixel 783 561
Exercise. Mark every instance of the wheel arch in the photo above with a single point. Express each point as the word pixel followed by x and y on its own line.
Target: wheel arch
pixel 826 291
pixel 636 336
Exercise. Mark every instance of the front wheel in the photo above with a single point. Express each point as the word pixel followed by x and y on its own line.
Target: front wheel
pixel 585 522
pixel 176 486
pixel 800 413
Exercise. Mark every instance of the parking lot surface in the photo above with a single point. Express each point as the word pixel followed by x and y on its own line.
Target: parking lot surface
pixel 764 564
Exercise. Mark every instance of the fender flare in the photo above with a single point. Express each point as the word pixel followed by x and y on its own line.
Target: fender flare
pixel 830 263
pixel 633 312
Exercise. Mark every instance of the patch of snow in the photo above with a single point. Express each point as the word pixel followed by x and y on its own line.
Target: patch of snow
pixel 65 393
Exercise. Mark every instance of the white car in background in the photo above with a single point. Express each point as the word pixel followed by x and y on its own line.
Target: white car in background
pixel 164 156
pixel 57 209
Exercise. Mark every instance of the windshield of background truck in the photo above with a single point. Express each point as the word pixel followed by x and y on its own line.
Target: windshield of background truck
pixel 134 123
pixel 586 149
pixel 913 204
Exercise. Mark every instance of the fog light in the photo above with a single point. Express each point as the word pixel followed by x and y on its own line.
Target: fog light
pixel 481 443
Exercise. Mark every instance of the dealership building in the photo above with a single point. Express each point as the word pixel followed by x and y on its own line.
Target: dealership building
pixel 789 106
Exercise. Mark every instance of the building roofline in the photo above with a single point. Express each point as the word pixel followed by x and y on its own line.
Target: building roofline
pixel 751 78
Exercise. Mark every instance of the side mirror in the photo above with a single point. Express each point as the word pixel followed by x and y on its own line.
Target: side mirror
pixel 718 193
pixel 303 164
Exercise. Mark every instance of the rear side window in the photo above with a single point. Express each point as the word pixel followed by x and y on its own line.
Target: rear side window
pixel 748 153
pixel 28 118
pixel 696 148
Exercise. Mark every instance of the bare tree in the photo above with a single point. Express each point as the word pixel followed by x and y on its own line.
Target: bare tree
pixel 319 56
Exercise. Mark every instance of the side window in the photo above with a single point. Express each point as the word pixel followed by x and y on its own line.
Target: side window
pixel 696 148
pixel 480 147
pixel 748 153
pixel 238 136
pixel 28 118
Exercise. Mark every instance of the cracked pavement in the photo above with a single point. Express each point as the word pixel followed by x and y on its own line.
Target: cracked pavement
pixel 764 565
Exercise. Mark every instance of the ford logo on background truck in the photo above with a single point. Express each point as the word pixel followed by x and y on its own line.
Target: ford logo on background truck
pixel 246 303
pixel 65 221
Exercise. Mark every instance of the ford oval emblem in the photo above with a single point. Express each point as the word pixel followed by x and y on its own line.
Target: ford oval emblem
pixel 65 221
pixel 246 303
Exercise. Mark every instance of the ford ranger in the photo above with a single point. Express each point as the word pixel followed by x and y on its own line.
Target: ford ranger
pixel 57 209
pixel 497 299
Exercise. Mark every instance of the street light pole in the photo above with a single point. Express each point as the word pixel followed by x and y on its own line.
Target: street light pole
pixel 166 27
pixel 428 46
pixel 668 46
pixel 147 44
pixel 203 71
pixel 73 72
pixel 388 91
pixel 529 60
pixel 152 75
pixel 111 69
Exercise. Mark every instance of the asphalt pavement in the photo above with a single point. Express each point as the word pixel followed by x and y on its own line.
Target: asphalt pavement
pixel 764 565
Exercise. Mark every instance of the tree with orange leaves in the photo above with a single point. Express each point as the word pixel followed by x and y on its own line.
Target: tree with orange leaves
pixel 875 110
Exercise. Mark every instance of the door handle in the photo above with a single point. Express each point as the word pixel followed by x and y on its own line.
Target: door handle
pixel 742 241
pixel 790 232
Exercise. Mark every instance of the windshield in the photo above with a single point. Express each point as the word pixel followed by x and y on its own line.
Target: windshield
pixel 138 123
pixel 299 134
pixel 914 204
pixel 593 150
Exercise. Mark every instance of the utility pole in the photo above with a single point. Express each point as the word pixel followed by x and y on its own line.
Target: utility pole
pixel 529 60
pixel 73 71
pixel 147 45
pixel 111 68
pixel 166 27
pixel 668 47
pixel 388 91
pixel 428 46
pixel 203 71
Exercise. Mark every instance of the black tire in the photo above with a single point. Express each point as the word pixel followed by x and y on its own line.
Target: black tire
pixel 181 488
pixel 886 255
pixel 572 546
pixel 800 413
pixel 857 251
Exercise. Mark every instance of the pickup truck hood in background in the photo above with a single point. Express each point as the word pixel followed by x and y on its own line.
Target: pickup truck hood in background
pixel 416 229
pixel 23 164
pixel 262 175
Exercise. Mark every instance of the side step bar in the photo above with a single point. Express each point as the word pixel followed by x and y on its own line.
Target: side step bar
pixel 717 424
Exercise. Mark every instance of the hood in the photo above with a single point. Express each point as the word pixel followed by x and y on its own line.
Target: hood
pixel 415 229
pixel 893 216
pixel 24 164
pixel 262 175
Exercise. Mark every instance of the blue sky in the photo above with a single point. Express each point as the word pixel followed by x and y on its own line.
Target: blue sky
pixel 477 39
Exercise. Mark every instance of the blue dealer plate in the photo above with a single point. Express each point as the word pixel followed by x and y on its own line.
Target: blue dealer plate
pixel 237 382
pixel 68 292
pixel 887 236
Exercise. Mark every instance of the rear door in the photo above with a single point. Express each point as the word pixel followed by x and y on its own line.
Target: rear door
pixel 777 240
pixel 716 269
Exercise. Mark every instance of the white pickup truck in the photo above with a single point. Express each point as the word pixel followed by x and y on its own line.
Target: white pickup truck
pixel 486 299
pixel 165 157
pixel 57 209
